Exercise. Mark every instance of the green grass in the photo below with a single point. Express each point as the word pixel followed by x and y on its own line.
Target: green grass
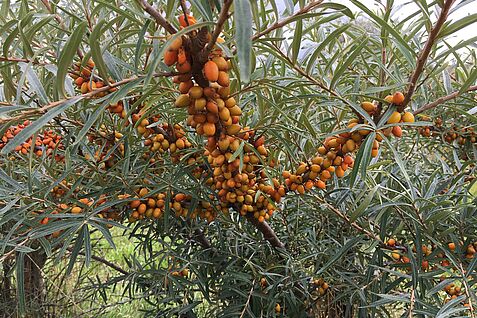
pixel 70 295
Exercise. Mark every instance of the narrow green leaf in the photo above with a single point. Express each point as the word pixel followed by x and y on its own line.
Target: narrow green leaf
pixel 344 66
pixel 338 7
pixel 243 20
pixel 363 205
pixel 96 53
pixel 456 26
pixel 470 80
pixel 342 251
pixel 67 55
pixel 139 43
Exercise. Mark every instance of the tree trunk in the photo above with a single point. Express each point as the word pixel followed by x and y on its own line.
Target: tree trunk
pixel 35 293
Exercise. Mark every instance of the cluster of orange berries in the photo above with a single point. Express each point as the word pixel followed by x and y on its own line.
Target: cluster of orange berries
pixel 469 250
pixel 453 291
pixel 320 286
pixel 334 156
pixel 59 191
pixel 235 154
pixel 45 142
pixel 469 253
pixel 163 137
pixel 87 81
pixel 149 206
pixel 240 181
pixel 464 135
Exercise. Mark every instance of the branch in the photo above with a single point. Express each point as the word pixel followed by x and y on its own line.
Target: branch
pixel 223 16
pixel 107 263
pixel 20 60
pixel 347 219
pixel 442 100
pixel 422 58
pixel 91 94
pixel 315 81
pixel 157 16
pixel 47 5
pixel 279 24
pixel 266 230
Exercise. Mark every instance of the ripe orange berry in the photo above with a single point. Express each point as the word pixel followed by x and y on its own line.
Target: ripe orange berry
pixel 395 255
pixel 170 57
pixel 209 129
pixel 184 67
pixel 398 98
pixel 223 78
pixel 391 242
pixel 389 99
pixel 397 131
pixel 408 117
pixel 395 118
pixel 190 19
pixel 211 71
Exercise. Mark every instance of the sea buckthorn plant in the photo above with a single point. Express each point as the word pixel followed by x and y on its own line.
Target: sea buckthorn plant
pixel 238 159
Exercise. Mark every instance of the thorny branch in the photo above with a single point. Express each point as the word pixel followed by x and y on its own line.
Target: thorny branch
pixel 223 16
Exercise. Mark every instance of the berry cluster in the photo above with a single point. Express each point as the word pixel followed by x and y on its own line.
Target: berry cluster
pixel 87 81
pixel 237 156
pixel 45 142
pixel 462 135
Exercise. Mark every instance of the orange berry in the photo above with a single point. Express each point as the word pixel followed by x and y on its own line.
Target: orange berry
pixel 211 71
pixel 398 98
pixel 397 131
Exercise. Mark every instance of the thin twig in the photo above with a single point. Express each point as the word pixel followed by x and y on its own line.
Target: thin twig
pixel 20 60
pixel 185 11
pixel 91 94
pixel 467 289
pixel 412 300
pixel 422 58
pixel 250 293
pixel 279 24
pixel 48 7
pixel 107 263
pixel 223 16
pixel 442 100
pixel 157 16
pixel 315 81
pixel 347 219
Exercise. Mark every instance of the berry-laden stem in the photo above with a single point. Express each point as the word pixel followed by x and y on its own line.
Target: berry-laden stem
pixel 422 59
pixel 91 94
pixel 266 230
pixel 157 16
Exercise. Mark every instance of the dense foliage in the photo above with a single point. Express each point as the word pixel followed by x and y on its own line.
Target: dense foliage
pixel 244 158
